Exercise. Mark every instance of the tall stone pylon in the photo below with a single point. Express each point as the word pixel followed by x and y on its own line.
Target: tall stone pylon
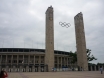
pixel 80 42
pixel 49 51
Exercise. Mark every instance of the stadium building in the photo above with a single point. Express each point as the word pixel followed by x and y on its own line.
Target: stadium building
pixel 31 60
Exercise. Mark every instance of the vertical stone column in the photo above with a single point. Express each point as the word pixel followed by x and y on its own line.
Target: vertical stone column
pixel 49 51
pixel 39 60
pixel 102 67
pixel 23 64
pixel 33 68
pixel 61 62
pixel 12 60
pixel 7 68
pixel 20 68
pixel 13 68
pixel 64 61
pixel 44 68
pixel 57 62
pixel 98 67
pixel 39 68
pixel 6 60
pixel 17 59
pixel 95 67
pixel 91 68
pixel 27 68
pixel 67 62
pixel 28 59
pixel 34 59
pixel 80 42
pixel 0 62
pixel 12 63
pixel 23 59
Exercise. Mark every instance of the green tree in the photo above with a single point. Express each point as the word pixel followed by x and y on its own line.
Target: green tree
pixel 74 57
pixel 89 56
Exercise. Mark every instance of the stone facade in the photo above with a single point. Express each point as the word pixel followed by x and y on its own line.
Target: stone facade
pixel 80 42
pixel 31 60
pixel 49 53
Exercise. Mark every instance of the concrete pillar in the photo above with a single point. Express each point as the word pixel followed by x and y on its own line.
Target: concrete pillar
pixel 39 69
pixel 27 68
pixel 13 68
pixel 61 62
pixel 17 59
pixel 39 60
pixel 23 59
pixel 95 67
pixel 102 67
pixel 49 50
pixel 67 61
pixel 0 63
pixel 34 59
pixel 91 68
pixel 28 59
pixel 7 68
pixel 11 59
pixel 0 67
pixel 33 69
pixel 98 67
pixel 1 60
pixel 57 62
pixel 64 61
pixel 20 68
pixel 6 60
pixel 45 69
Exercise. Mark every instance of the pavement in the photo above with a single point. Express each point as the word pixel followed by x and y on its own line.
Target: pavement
pixel 70 74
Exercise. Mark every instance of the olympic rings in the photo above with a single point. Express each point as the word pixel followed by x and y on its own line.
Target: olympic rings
pixel 65 24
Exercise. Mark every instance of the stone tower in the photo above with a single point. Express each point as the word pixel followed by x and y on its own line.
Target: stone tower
pixel 49 51
pixel 80 42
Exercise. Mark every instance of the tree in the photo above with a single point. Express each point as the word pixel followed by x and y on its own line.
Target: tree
pixel 89 56
pixel 74 57
pixel 100 63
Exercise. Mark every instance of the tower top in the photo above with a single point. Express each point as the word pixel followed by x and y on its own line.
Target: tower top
pixel 79 15
pixel 49 9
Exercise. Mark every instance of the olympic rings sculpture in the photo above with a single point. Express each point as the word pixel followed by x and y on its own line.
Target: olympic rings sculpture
pixel 65 24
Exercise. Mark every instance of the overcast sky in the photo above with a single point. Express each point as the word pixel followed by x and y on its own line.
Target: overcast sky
pixel 22 24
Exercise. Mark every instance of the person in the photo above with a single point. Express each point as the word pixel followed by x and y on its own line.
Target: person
pixel 52 69
pixel 3 74
pixel 101 69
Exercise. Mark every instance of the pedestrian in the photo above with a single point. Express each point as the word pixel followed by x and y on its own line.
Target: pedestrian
pixel 3 74
pixel 101 70
pixel 52 69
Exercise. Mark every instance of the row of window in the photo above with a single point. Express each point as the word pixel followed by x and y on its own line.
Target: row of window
pixel 20 50
pixel 21 61
pixel 27 50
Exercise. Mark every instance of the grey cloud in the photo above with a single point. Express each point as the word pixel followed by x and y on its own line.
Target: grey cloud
pixel 22 24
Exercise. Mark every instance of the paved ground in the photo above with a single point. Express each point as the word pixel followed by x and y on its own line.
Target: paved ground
pixel 70 74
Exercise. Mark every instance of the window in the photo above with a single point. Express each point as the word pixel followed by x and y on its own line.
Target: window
pixel 14 61
pixel 20 61
pixel 3 61
pixel 36 61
